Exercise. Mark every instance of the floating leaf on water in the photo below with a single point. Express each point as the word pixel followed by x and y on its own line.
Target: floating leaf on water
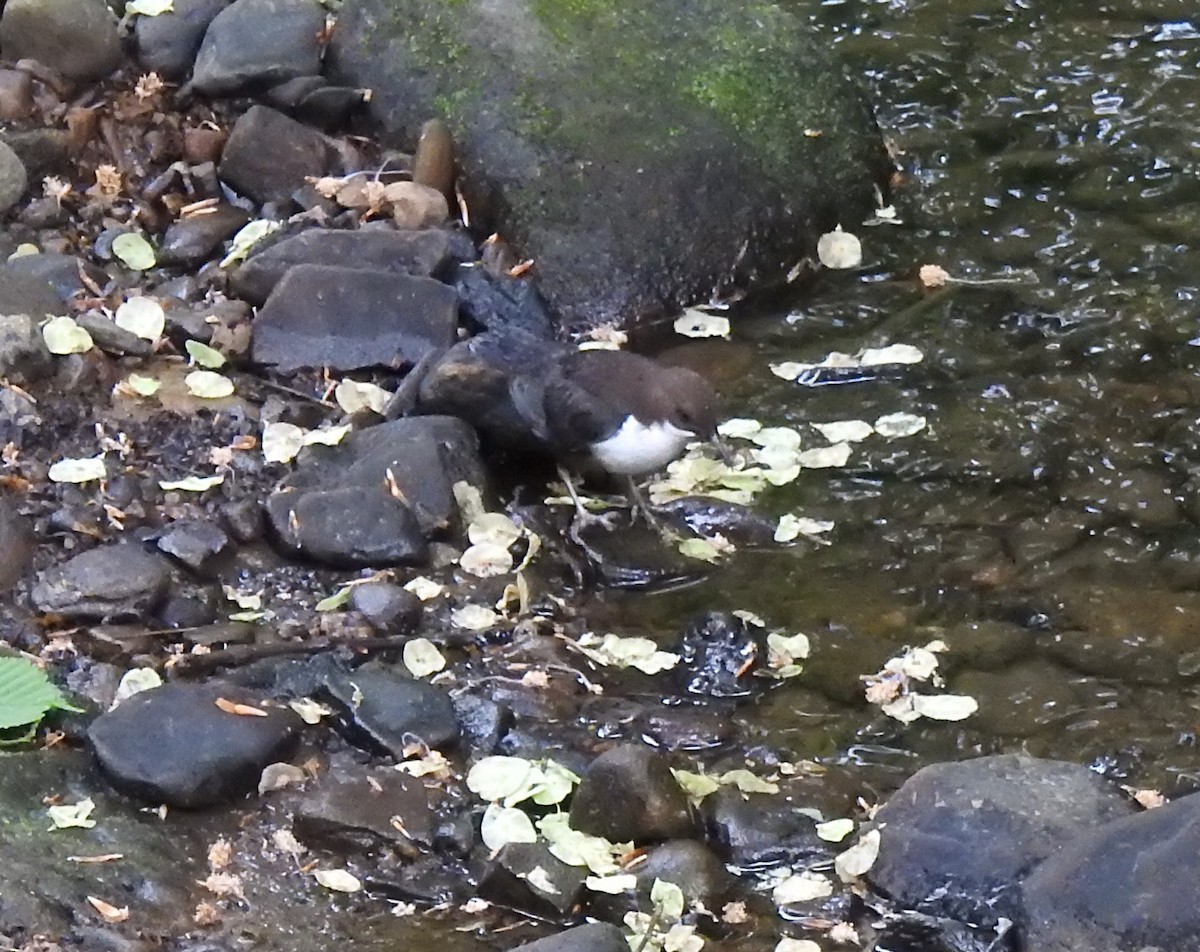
pixel 739 428
pixel 834 831
pixel 424 588
pixel 845 431
pixel 63 336
pixel 613 885
pixel 791 527
pixel 667 899
pixel 785 652
pixel 281 442
pixel 640 653
pixel 134 251
pixel 83 470
pixel 191 484
pixel 789 369
pixel 353 396
pixel 702 549
pixel 554 784
pixel 246 238
pixel 825 457
pixel 208 385
pixel 142 316
pixel 901 709
pixel 747 782
pixel 896 425
pixel 486 559
pixel 202 355
pixel 944 707
pixel 142 386
pixel 801 887
pixel 500 778
pixel 580 849
pixel 474 617
pixel 64 816
pixel 697 786
pixel 135 681
pixel 149 8
pixel 337 880
pixel 696 323
pixel 839 249
pixel 422 657
pixel 494 527
pixel 777 438
pixel 892 354
pixel 859 858
pixel 788 944
pixel 504 825
pixel 933 275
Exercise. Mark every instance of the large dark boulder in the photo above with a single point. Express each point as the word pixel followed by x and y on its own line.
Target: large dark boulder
pixel 643 154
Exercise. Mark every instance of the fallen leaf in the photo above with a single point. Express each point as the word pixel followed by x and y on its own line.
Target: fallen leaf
pixel 134 251
pixel 64 816
pixel 859 858
pixel 208 385
pixel 422 657
pixel 241 710
pixel 109 912
pixel 63 336
pixel 338 880
pixel 697 323
pixel 801 887
pixel 78 470
pixel 141 316
pixel 839 249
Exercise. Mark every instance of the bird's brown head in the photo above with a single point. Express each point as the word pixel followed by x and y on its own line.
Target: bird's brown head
pixel 691 404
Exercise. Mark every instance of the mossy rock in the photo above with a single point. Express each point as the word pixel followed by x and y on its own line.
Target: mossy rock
pixel 643 153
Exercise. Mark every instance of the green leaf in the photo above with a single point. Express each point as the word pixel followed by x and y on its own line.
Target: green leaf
pixel 26 694
pixel 203 355
pixel 134 251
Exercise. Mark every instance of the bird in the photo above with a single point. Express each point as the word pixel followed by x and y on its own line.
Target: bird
pixel 630 414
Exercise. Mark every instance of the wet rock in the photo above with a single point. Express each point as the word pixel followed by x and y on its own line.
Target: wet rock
pixel 482 722
pixel 243 518
pixel 550 894
pixel 356 808
pixel 184 610
pixel 559 155
pixel 347 319
pixel 16 544
pixel 330 107
pixel 78 38
pixel 593 937
pixel 256 43
pixel 957 838
pixel 492 303
pixel 269 155
pixel 42 151
pixel 629 793
pixel 757 830
pixel 392 709
pixel 18 413
pixel 108 582
pixel 13 178
pixel 198 545
pixel 110 337
pixel 190 241
pixel 683 728
pixel 423 253
pixel 16 95
pixel 174 745
pixel 61 271
pixel 42 893
pixel 22 293
pixel 417 206
pixel 336 506
pixel 167 44
pixel 433 162
pixel 691 866
pixel 718 655
pixel 706 516
pixel 1125 886
pixel 387 607
pixel 24 357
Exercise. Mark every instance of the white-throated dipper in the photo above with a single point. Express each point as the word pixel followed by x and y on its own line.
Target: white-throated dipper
pixel 630 414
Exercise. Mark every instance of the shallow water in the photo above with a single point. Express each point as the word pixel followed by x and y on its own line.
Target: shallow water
pixel 1044 524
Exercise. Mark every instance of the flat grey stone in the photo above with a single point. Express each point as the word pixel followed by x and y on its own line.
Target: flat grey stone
pixel 76 37
pixel 258 43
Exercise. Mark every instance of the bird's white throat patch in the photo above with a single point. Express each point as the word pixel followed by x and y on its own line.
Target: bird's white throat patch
pixel 637 448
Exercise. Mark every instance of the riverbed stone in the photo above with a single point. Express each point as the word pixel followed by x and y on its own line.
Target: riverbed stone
pixel 417 206
pixel 24 356
pixel 116 581
pixel 167 43
pixel 337 507
pixel 691 866
pixel 1126 886
pixel 13 178
pixel 753 831
pixel 957 838
pixel 512 879
pixel 270 155
pixel 16 95
pixel 356 808
pixel 16 544
pixel 718 654
pixel 387 607
pixel 22 293
pixel 197 544
pixel 593 937
pixel 190 241
pixel 719 164
pixel 629 793
pixel 348 319
pixel 422 253
pixel 111 337
pixel 61 271
pixel 392 708
pixel 257 43
pixel 78 38
pixel 174 745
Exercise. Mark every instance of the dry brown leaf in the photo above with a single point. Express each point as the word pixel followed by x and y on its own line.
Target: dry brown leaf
pixel 220 854
pixel 242 710
pixel 933 275
pixel 1149 799
pixel 206 914
pixel 109 912
pixel 223 884
pixel 101 858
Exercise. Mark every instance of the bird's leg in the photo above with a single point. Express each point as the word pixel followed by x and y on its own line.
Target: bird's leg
pixel 582 518
pixel 640 506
